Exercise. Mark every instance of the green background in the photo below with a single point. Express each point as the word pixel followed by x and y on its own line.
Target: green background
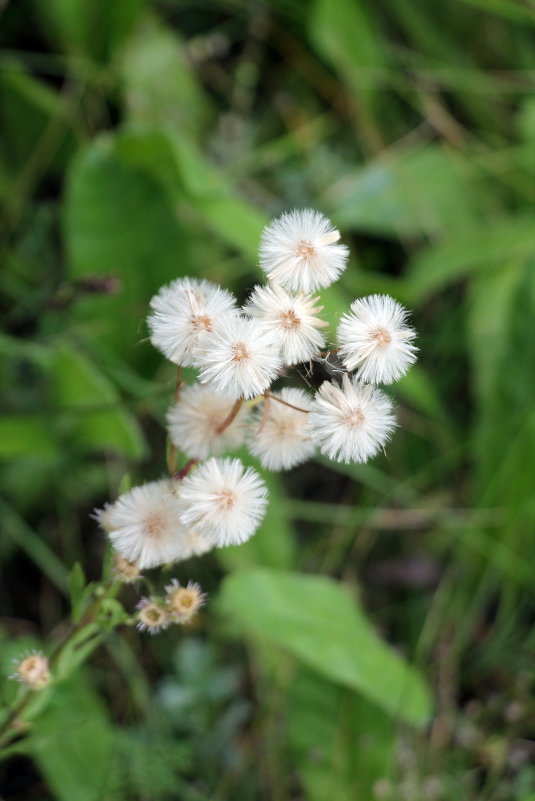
pixel 141 141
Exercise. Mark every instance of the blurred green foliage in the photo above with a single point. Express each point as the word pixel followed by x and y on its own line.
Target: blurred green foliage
pixel 145 140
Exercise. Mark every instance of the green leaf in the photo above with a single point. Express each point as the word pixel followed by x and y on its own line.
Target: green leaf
pixel 426 192
pixel 340 743
pixel 345 34
pixel 32 117
pixel 73 744
pixel 316 620
pixel 22 435
pixel 159 84
pixel 482 250
pixel 92 28
pixel 98 421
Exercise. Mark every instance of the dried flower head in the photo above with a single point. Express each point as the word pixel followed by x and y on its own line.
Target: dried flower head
pixel 151 616
pixel 281 439
pixel 375 339
pixel 352 422
pixel 183 312
pixel 300 251
pixel 184 602
pixel 239 359
pixel 224 501
pixel 32 670
pixel 292 320
pixel 144 524
pixel 123 570
pixel 195 423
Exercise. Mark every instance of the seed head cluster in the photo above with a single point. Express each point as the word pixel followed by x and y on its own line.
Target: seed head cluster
pixel 240 353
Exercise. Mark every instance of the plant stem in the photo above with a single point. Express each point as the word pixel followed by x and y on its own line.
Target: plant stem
pixel 285 403
pixel 5 728
pixel 231 416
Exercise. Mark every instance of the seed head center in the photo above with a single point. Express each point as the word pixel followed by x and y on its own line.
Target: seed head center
pixel 354 419
pixel 239 352
pixel 305 250
pixel 155 526
pixel 289 319
pixel 201 322
pixel 226 500
pixel 382 337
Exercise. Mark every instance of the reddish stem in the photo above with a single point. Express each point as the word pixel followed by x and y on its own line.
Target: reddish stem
pixel 285 403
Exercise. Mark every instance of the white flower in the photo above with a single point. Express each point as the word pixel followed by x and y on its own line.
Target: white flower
pixel 194 423
pixel 183 312
pixel 239 358
pixel 375 340
pixel 223 500
pixel 143 524
pixel 299 251
pixel 352 422
pixel 282 440
pixel 292 320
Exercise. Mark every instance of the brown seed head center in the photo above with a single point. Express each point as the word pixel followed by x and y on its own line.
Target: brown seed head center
pixel 289 319
pixel 154 526
pixel 201 322
pixel 239 352
pixel 382 337
pixel 305 250
pixel 226 500
pixel 354 419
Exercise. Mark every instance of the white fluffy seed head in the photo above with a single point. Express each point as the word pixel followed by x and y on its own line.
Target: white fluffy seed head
pixel 280 439
pixel 292 319
pixel 239 359
pixel 375 340
pixel 183 312
pixel 194 423
pixel 300 251
pixel 143 525
pixel 224 501
pixel 352 422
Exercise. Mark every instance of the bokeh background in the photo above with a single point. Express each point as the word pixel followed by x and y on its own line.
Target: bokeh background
pixel 145 140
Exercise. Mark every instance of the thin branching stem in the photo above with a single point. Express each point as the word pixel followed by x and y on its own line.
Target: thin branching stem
pixel 285 403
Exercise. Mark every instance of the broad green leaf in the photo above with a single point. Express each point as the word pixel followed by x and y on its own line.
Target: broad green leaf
pixel 159 83
pixel 347 35
pixel 484 249
pixel 173 159
pixel 317 621
pixel 89 28
pixel 73 744
pixel 342 744
pixel 35 124
pixel 426 192
pixel 22 434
